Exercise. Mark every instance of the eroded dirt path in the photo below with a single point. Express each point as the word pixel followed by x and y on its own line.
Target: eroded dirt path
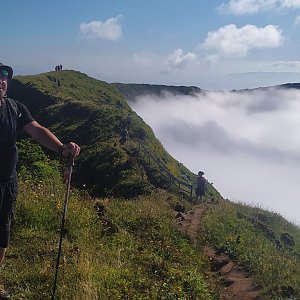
pixel 237 285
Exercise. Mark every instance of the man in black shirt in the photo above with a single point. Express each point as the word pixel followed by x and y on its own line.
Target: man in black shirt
pixel 14 116
pixel 201 185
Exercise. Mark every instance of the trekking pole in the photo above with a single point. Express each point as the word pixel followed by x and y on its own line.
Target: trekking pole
pixel 70 170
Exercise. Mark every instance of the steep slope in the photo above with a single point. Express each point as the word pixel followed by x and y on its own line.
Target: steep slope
pixel 93 113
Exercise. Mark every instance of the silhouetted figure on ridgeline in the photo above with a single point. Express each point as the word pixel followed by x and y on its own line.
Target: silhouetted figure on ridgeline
pixel 123 136
pixel 201 185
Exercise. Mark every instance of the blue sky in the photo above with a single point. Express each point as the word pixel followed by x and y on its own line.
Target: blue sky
pixel 211 44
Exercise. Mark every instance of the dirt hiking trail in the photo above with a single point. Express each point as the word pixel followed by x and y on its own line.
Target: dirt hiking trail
pixel 237 285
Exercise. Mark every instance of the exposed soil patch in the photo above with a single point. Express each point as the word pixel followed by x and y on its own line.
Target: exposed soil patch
pixel 190 222
pixel 237 285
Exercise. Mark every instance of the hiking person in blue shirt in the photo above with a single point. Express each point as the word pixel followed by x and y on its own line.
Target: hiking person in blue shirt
pixel 15 117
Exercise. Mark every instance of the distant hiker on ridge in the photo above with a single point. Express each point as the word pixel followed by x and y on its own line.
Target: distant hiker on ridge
pixel 15 117
pixel 124 136
pixel 129 120
pixel 201 185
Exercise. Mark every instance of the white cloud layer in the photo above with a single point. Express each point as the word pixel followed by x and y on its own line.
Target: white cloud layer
pixel 246 142
pixel 240 7
pixel 110 29
pixel 230 41
pixel 178 60
pixel 287 64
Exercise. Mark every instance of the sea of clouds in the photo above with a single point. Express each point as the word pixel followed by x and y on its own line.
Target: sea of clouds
pixel 246 142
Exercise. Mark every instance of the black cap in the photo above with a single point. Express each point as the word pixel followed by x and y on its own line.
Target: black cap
pixel 6 71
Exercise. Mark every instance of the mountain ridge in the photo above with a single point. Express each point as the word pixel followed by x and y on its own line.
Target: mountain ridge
pixel 132 90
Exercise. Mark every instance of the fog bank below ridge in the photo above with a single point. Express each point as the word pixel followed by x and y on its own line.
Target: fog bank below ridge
pixel 246 142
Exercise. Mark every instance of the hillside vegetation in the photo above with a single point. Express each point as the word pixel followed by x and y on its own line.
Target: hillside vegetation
pixel 93 113
pixel 122 238
pixel 123 250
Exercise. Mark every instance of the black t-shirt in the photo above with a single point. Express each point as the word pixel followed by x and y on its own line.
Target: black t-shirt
pixel 13 117
pixel 201 183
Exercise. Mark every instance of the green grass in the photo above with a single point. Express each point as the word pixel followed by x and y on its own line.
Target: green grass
pixel 129 251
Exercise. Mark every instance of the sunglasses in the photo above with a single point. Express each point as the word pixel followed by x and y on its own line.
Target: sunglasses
pixel 3 75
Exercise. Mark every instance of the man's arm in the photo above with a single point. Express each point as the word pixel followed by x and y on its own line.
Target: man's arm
pixel 46 138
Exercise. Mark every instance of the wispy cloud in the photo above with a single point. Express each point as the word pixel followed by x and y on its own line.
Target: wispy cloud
pixel 211 59
pixel 110 29
pixel 230 41
pixel 286 64
pixel 240 7
pixel 145 58
pixel 297 20
pixel 178 60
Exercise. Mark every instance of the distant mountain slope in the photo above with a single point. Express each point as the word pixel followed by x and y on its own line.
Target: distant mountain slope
pixel 93 113
pixel 295 85
pixel 291 85
pixel 131 91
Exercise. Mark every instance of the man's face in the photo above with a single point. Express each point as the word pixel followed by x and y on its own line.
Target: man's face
pixel 3 85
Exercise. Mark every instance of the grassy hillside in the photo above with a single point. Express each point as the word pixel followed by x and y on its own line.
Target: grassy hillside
pixel 120 250
pixel 93 113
